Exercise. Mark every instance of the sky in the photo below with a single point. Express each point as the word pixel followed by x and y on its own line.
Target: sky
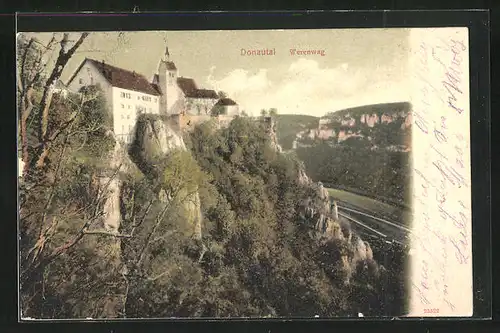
pixel 359 66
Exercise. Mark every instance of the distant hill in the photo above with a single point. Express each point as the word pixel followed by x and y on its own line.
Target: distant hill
pixel 386 126
pixel 379 109
pixel 288 125
pixel 366 148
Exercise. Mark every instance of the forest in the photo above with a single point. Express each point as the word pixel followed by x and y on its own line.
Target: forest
pixel 354 166
pixel 255 255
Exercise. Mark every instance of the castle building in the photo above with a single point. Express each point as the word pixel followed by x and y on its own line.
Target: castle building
pixel 129 94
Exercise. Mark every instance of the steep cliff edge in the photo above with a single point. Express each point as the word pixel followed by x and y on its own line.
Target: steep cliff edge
pixel 381 126
pixel 153 141
pixel 320 212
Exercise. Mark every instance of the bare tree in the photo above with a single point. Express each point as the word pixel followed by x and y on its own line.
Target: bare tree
pixel 31 68
pixel 65 53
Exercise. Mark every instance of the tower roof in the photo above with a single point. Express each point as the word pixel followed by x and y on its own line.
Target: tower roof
pixel 171 66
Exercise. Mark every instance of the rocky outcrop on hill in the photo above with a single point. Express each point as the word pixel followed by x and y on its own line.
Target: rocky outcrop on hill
pixel 380 125
pixel 155 139
pixel 318 210
pixel 270 124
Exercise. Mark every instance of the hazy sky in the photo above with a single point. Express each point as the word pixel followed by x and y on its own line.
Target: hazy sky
pixel 360 66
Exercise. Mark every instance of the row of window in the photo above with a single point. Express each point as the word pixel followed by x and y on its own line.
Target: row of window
pixel 139 108
pixel 124 94
pixel 129 129
pixel 143 97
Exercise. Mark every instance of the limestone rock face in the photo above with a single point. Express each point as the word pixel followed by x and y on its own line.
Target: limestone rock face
pixel 318 210
pixel 110 187
pixel 362 250
pixel 155 139
pixel 270 124
pixel 111 217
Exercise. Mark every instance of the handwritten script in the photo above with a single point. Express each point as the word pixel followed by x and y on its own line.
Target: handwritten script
pixel 441 277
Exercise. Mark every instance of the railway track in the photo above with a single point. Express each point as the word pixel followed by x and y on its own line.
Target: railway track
pixel 374 226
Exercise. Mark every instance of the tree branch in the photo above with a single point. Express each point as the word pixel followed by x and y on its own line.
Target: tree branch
pixel 107 233
pixel 61 62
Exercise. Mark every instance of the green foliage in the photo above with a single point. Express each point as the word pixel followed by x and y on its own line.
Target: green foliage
pixel 256 256
pixel 56 203
pixel 289 125
pixel 181 172
pixel 379 173
pixel 254 229
pixel 217 110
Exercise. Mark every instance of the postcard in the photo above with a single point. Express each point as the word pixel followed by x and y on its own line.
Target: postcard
pixel 321 173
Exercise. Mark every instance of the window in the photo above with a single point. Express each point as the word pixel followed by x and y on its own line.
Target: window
pixel 156 99
pixel 80 81
pixel 123 106
pixel 140 109
pixel 146 98
pixel 129 106
pixel 123 129
pixel 125 95
pixel 128 116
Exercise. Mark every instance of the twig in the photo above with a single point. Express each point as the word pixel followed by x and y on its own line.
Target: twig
pixel 106 233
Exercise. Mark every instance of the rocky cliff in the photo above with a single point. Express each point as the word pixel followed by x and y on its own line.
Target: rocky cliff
pixel 382 126
pixel 154 140
pixel 271 130
pixel 322 214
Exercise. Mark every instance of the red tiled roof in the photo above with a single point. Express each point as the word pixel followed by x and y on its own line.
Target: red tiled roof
pixel 187 85
pixel 122 78
pixel 225 101
pixel 189 88
pixel 205 93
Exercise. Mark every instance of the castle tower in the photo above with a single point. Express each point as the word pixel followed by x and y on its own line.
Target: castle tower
pixel 167 80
